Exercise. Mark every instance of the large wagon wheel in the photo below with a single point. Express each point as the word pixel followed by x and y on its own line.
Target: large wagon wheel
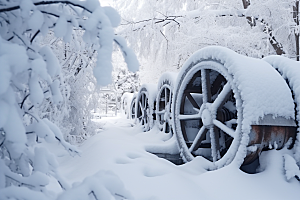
pixel 132 109
pixel 145 105
pixel 211 107
pixel 207 112
pixel 164 101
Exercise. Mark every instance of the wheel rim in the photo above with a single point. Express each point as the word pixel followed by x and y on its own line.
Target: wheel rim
pixel 206 113
pixel 143 111
pixel 163 110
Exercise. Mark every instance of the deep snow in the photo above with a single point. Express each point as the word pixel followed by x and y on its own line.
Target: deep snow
pixel 121 148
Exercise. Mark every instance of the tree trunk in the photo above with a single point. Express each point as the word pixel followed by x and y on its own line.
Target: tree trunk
pixel 251 20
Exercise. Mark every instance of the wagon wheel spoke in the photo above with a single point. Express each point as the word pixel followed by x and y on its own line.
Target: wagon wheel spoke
pixel 146 123
pixel 215 146
pixel 169 102
pixel 216 84
pixel 165 98
pixel 198 139
pixel 222 97
pixel 189 117
pixel 206 87
pixel 161 112
pixel 141 108
pixel 192 100
pixel 144 101
pixel 224 128
pixel 164 127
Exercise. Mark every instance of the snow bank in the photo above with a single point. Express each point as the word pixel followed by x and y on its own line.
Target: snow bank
pixel 121 149
pixel 103 185
pixel 290 167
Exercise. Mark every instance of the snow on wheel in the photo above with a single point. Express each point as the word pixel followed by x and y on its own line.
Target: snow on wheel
pixel 225 106
pixel 164 100
pixel 132 108
pixel 290 71
pixel 145 105
pixel 126 100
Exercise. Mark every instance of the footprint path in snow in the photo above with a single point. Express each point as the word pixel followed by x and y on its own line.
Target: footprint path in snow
pixel 123 161
pixel 148 171
pixel 153 172
pixel 132 155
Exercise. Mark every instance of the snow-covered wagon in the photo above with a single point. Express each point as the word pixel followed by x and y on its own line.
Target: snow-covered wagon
pixel 225 107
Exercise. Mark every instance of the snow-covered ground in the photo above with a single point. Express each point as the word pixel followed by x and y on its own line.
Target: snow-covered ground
pixel 120 147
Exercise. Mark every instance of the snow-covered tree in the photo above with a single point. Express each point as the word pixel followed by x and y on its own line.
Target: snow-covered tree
pixel 124 80
pixel 33 87
pixel 79 90
pixel 165 33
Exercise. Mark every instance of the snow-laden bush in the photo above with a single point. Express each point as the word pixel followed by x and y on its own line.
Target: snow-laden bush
pixel 79 86
pixel 31 85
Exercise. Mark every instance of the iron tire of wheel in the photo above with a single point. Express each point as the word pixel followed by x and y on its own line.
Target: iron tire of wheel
pixel 199 129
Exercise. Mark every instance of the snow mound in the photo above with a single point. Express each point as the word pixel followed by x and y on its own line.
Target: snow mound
pixel 290 167
pixel 102 185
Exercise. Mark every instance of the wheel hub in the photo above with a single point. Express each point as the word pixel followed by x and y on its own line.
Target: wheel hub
pixel 206 117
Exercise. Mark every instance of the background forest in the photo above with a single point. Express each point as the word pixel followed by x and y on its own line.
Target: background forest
pixel 165 33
